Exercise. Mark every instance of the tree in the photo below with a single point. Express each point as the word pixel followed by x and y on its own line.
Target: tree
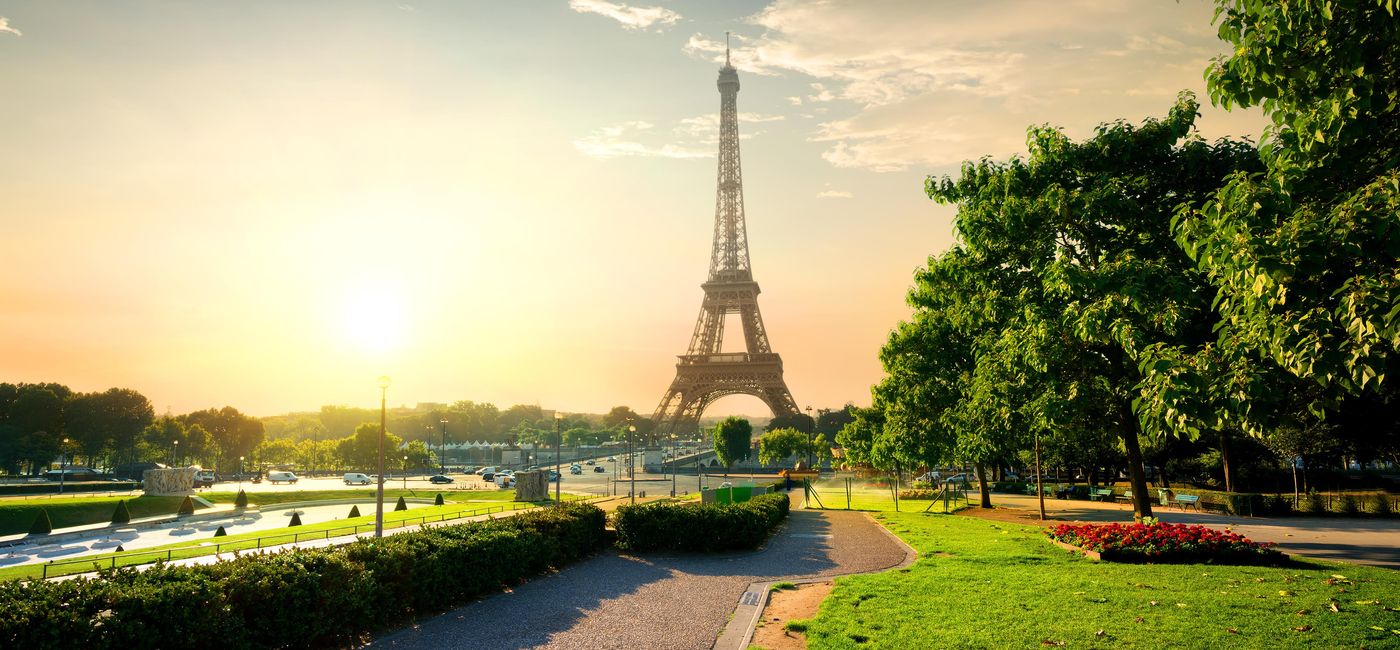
pixel 232 433
pixel 361 450
pixel 733 438
pixel 799 421
pixel 419 456
pixel 777 445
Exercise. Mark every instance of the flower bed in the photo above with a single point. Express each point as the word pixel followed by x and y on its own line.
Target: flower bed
pixel 1164 543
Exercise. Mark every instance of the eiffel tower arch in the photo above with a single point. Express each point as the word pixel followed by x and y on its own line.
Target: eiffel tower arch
pixel 706 372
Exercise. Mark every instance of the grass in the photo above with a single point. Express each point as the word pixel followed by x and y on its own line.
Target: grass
pixel 990 585
pixel 206 545
pixel 17 517
pixel 782 586
pixel 274 498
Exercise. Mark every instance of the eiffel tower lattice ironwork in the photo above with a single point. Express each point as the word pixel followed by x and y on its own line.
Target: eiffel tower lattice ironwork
pixel 705 372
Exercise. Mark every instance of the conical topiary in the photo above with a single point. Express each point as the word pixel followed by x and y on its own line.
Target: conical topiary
pixel 241 501
pixel 220 532
pixel 400 505
pixel 296 519
pixel 438 500
pixel 120 548
pixel 186 507
pixel 42 525
pixel 122 515
pixel 354 511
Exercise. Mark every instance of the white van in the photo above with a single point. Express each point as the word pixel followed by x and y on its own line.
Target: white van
pixel 356 478
pixel 505 481
pixel 276 477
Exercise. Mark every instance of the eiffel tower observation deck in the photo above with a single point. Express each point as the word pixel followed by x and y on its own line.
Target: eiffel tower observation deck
pixel 706 372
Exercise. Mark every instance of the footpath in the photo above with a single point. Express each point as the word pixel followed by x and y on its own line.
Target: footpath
pixel 617 600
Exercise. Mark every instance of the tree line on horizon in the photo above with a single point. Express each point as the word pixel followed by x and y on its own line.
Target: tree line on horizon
pixel 1145 296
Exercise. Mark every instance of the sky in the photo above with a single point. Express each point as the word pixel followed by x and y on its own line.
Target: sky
pixel 271 204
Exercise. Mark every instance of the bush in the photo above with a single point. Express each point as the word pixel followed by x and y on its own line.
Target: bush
pixel 354 511
pixel 1349 506
pixel 42 525
pixel 121 515
pixel 1315 504
pixel 917 495
pixel 1379 504
pixel 438 501
pixel 296 519
pixel 186 507
pixel 401 505
pixel 297 598
pixel 1165 543
pixel 665 526
pixel 1278 504
pixel 241 501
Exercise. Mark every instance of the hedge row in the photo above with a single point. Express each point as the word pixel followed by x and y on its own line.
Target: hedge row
pixel 666 526
pixel 297 598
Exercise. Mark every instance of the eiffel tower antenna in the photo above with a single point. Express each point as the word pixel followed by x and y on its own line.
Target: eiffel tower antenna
pixel 706 372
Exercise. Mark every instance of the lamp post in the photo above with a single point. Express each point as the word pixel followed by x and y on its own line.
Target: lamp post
pixel 405 472
pixel 240 473
pixel 675 456
pixel 379 493
pixel 176 454
pixel 62 465
pixel 631 465
pixel 811 429
pixel 442 458
pixel 558 442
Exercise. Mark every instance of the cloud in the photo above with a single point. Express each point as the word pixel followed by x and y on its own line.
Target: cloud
pixel 834 194
pixel 915 84
pixel 630 17
pixel 5 27
pixel 627 139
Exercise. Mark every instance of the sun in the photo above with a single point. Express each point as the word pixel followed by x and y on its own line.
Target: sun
pixel 373 322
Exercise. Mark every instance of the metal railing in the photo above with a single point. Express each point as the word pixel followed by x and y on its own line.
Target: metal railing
pixel 51 569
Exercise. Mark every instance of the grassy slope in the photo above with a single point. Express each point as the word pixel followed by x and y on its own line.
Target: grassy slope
pixel 272 498
pixel 16 517
pixel 984 584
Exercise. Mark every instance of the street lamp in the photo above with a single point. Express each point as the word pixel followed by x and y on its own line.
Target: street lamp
pixel 631 464
pixel 442 458
pixel 405 472
pixel 811 428
pixel 558 441
pixel 240 473
pixel 62 465
pixel 675 456
pixel 379 494
pixel 176 454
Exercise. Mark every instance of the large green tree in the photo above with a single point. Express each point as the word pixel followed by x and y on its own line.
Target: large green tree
pixel 732 439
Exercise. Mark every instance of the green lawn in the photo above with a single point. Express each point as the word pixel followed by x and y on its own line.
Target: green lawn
pixel 272 498
pixel 17 516
pixel 984 584
pixel 206 544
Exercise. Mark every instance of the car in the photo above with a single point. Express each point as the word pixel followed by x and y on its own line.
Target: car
pixel 589 462
pixel 505 481
pixel 958 479
pixel 553 476
pixel 575 469
pixel 612 459
pixel 276 477
pixel 439 479
pixel 599 469
pixel 928 477
pixel 356 478
pixel 204 478
pixel 506 472
pixel 489 469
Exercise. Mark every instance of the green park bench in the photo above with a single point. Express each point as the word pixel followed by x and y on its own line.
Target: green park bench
pixel 1184 500
pixel 1100 494
pixel 1126 496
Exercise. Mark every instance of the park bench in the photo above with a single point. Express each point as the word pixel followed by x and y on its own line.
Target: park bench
pixel 1126 496
pixel 1100 494
pixel 1184 500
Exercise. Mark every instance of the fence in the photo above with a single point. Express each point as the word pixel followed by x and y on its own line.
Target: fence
pixel 881 493
pixel 53 569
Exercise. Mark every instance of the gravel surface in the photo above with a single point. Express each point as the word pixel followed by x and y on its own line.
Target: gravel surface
pixel 616 600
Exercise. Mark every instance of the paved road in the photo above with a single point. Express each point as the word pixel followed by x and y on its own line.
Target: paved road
pixel 616 600
pixel 1360 540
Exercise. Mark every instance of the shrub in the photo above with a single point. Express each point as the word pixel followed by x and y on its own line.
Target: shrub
pixel 666 526
pixel 325 597
pixel 1164 543
pixel 186 507
pixel 919 494
pixel 1315 504
pixel 1278 504
pixel 1379 504
pixel 1349 506
pixel 438 501
pixel 220 532
pixel 354 511
pixel 401 505
pixel 41 525
pixel 241 501
pixel 296 519
pixel 121 515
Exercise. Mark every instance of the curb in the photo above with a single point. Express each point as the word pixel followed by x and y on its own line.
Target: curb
pixel 744 621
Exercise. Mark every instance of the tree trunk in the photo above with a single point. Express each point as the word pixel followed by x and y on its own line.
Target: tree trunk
pixel 1142 503
pixel 982 486
pixel 1293 463
pixel 1039 491
pixel 1225 459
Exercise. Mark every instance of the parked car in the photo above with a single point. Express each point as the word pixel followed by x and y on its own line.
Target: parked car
pixel 489 469
pixel 956 479
pixel 505 480
pixel 575 469
pixel 356 478
pixel 73 474
pixel 134 471
pixel 439 479
pixel 589 462
pixel 599 469
pixel 928 477
pixel 276 477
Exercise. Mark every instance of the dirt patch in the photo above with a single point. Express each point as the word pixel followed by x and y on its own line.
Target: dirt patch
pixel 1013 515
pixel 789 605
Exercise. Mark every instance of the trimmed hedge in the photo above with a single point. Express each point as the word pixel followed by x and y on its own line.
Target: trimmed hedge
pixel 667 526
pixel 297 598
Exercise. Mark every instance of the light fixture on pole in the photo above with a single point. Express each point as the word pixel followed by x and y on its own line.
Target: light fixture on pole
pixel 812 426
pixel 631 464
pixel 675 456
pixel 558 442
pixel 379 493
pixel 240 473
pixel 405 472
pixel 176 460
pixel 62 465
pixel 442 458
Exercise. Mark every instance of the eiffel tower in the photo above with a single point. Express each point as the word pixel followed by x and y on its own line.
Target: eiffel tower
pixel 705 372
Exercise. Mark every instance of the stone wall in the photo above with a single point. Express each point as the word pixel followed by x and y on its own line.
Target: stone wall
pixel 531 486
pixel 165 482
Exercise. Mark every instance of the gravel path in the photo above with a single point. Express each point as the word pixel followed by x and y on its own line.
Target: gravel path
pixel 616 600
